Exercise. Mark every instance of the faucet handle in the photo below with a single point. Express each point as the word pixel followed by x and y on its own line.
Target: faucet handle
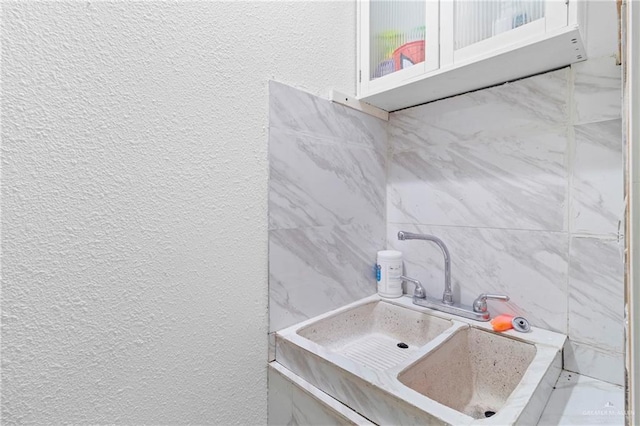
pixel 480 304
pixel 419 290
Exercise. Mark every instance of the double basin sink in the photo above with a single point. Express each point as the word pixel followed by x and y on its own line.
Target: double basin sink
pixel 396 363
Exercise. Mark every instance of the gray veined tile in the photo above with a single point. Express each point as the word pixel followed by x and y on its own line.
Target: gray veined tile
pixel 516 181
pixel 529 266
pixel 597 90
pixel 315 270
pixel 313 183
pixel 291 108
pixel 309 411
pixel 581 400
pixel 597 189
pixel 522 107
pixel 594 362
pixel 596 293
pixel 312 406
pixel 280 399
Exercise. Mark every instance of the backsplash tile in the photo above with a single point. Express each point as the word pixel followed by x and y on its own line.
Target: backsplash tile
pixel 315 270
pixel 597 90
pixel 597 192
pixel 293 109
pixel 517 108
pixel 327 192
pixel 515 181
pixel 317 182
pixel 507 176
pixel 593 362
pixel 596 293
pixel 528 266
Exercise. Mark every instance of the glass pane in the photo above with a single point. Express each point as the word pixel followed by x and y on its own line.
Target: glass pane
pixel 397 35
pixel 478 20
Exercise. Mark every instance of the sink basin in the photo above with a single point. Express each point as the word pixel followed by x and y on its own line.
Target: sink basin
pixel 377 335
pixel 474 372
pixel 451 372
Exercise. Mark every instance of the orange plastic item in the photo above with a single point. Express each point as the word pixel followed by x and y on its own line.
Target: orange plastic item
pixel 502 322
pixel 408 54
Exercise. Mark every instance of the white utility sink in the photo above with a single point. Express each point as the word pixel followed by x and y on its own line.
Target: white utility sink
pixel 378 335
pixel 397 363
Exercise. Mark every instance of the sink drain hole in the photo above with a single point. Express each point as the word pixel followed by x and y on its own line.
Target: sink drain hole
pixel 489 413
pixel 402 345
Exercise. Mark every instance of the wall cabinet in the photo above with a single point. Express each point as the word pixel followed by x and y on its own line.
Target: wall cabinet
pixel 412 52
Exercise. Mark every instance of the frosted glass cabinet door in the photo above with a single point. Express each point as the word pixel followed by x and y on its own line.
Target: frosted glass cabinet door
pixel 481 26
pixel 399 41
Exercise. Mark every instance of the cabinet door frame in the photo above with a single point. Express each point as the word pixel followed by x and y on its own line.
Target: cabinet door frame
pixel 556 16
pixel 368 86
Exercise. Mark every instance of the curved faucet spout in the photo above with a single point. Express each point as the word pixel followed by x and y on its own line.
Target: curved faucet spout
pixel 447 296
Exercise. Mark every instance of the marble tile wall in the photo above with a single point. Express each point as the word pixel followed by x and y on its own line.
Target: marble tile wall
pixel 579 400
pixel 327 196
pixel 523 181
pixel 595 277
pixel 529 266
pixel 294 401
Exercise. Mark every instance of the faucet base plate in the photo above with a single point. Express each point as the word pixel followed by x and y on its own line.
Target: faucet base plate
pixel 458 309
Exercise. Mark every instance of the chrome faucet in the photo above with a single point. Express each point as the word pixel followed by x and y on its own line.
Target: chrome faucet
pixel 447 296
pixel 478 311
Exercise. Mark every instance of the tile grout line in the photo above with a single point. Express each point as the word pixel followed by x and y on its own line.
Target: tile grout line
pixel 478 227
pixel 387 166
pixel 328 140
pixel 571 142
pixel 414 146
pixel 604 120
pixel 599 348
pixel 601 237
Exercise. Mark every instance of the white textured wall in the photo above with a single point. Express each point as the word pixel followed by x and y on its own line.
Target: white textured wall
pixel 134 202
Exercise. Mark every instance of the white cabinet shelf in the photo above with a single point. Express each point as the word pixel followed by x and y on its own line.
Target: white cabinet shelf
pixel 466 45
